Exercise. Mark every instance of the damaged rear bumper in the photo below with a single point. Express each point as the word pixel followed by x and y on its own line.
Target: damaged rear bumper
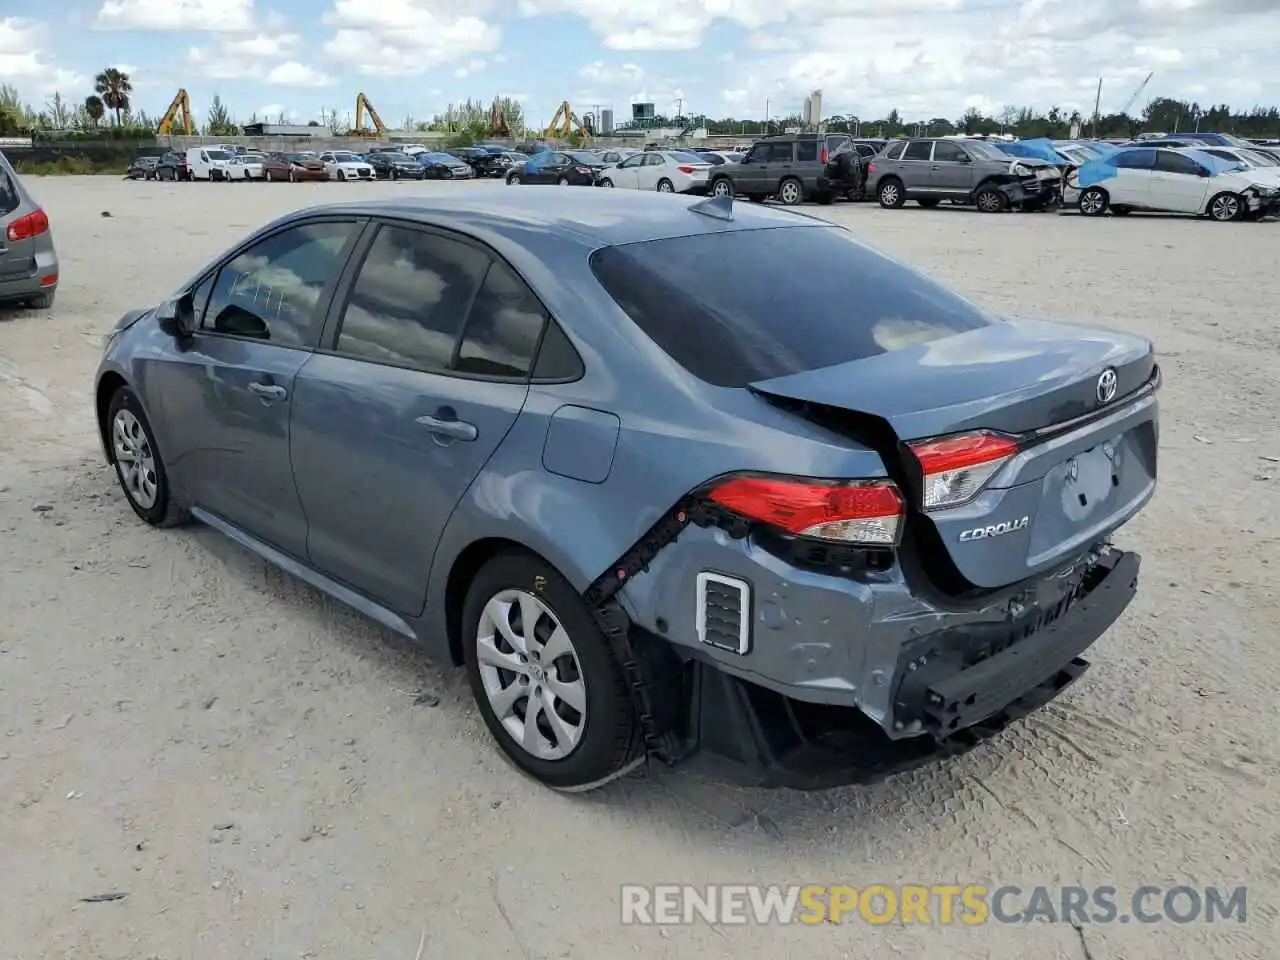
pixel 951 693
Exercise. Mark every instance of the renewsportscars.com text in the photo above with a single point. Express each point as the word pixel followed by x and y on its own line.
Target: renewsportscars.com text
pixel 937 904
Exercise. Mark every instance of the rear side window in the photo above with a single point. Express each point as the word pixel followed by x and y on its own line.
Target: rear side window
pixel 847 302
pixel 409 300
pixel 918 150
pixel 806 150
pixel 503 327
pixel 8 193
pixel 1136 159
pixel 894 151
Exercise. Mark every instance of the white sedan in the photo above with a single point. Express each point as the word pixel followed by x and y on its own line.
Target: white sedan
pixel 1166 180
pixel 666 171
pixel 344 165
pixel 246 166
pixel 1258 164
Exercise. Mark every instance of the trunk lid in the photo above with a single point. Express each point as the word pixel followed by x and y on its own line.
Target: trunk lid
pixel 1071 483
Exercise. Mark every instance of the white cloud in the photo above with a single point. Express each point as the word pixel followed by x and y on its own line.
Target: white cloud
pixel 214 16
pixel 472 66
pixel 408 37
pixel 269 59
pixel 23 60
pixel 600 73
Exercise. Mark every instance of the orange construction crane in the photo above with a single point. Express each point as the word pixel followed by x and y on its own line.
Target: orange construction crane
pixel 363 106
pixel 566 123
pixel 181 105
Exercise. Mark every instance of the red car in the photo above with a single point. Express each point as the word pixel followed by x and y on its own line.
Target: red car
pixel 294 167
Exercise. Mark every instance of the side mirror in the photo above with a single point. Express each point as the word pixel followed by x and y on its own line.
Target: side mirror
pixel 178 315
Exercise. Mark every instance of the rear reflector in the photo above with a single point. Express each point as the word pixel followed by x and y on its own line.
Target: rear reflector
pixel 32 225
pixel 957 468
pixel 865 512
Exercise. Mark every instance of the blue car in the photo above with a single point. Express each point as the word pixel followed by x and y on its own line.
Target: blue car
pixel 823 522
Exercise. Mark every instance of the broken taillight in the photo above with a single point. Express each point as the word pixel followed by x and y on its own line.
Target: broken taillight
pixel 867 512
pixel 31 225
pixel 956 468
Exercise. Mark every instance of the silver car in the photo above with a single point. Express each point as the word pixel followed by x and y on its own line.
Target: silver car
pixel 28 261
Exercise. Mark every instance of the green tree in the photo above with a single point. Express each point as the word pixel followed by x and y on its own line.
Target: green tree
pixel 95 108
pixel 114 87
pixel 218 122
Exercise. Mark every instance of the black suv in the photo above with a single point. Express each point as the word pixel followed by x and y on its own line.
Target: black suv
pixel 793 167
pixel 485 161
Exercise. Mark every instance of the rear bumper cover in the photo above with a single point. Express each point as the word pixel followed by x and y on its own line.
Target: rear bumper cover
pixel 944 706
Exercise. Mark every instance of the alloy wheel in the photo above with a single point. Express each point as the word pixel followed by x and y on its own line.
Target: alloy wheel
pixel 531 674
pixel 889 194
pixel 1225 207
pixel 790 193
pixel 135 459
pixel 989 201
pixel 721 188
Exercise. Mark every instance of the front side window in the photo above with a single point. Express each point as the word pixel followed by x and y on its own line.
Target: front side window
pixel 273 290
pixel 944 152
pixel 410 298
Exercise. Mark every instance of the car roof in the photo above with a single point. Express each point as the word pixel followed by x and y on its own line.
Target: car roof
pixel 596 217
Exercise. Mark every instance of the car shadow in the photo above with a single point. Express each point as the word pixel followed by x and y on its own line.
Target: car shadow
pixel 673 800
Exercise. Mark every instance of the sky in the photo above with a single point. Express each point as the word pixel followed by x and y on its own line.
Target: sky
pixel 749 59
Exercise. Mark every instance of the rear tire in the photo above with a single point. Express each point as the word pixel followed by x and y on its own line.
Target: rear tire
pixel 142 477
pixel 598 742
pixel 1120 211
pixel 666 186
pixel 891 194
pixel 790 192
pixel 928 204
pixel 562 182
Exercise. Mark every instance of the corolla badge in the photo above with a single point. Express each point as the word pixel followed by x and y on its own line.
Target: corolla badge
pixel 995 530
pixel 1106 389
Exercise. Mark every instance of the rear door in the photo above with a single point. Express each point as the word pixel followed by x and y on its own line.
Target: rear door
pixel 916 168
pixel 1131 186
pixel 226 396
pixel 1178 183
pixel 424 368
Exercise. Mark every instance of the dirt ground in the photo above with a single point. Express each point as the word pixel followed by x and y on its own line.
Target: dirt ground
pixel 253 765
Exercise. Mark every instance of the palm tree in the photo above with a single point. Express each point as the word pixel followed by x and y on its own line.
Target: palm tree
pixel 94 107
pixel 114 89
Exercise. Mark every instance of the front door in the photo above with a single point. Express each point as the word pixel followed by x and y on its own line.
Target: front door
pixel 754 177
pixel 226 395
pixel 1178 183
pixel 427 373
pixel 626 174
pixel 951 172
pixel 651 171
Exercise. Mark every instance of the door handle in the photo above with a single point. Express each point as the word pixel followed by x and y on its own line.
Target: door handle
pixel 268 391
pixel 453 429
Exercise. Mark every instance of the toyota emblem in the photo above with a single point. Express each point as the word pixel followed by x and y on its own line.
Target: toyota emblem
pixel 1106 389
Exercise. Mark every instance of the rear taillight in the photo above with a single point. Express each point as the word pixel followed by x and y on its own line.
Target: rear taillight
pixel 871 168
pixel 32 225
pixel 822 156
pixel 583 170
pixel 685 168
pixel 867 512
pixel 957 468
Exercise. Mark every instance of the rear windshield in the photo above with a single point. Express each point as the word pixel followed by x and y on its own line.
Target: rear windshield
pixel 800 298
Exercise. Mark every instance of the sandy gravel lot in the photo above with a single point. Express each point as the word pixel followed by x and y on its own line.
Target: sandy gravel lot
pixel 249 763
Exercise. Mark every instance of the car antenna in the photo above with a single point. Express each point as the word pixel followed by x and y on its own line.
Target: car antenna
pixel 720 207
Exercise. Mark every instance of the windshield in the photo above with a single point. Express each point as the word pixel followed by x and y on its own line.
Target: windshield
pixel 218 155
pixel 853 301
pixel 980 148
pixel 1258 159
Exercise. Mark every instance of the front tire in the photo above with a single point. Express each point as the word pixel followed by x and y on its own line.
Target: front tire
pixel 607 183
pixel 991 200
pixel 139 467
pixel 1226 207
pixel 341 176
pixel 531 644
pixel 514 180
